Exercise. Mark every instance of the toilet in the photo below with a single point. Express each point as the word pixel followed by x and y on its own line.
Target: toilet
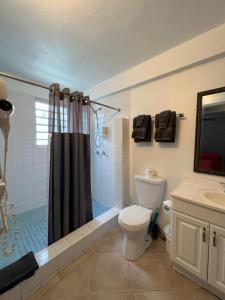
pixel 135 219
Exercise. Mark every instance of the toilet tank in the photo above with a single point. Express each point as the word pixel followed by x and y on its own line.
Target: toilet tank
pixel 149 191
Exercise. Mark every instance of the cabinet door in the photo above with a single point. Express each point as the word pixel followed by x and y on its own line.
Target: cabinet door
pixel 190 241
pixel 217 257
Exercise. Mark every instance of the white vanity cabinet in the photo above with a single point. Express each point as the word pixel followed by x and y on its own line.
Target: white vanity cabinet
pixel 190 244
pixel 217 257
pixel 198 233
pixel 199 248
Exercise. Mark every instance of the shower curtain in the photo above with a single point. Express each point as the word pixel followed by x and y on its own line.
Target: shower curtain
pixel 70 203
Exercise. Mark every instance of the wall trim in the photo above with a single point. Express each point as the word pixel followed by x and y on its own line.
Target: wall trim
pixel 201 49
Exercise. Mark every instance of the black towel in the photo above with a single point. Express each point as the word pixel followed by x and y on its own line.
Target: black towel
pixel 165 126
pixel 142 129
pixel 18 271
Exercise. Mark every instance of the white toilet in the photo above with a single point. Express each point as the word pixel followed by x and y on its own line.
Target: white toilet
pixel 135 219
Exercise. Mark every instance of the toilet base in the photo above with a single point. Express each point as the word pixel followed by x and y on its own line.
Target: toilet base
pixel 135 246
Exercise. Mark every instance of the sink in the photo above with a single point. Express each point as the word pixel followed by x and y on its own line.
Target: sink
pixel 214 196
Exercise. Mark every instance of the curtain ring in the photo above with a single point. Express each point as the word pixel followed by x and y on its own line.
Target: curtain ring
pixel 86 100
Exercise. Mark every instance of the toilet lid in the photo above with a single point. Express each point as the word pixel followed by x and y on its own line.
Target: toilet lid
pixel 135 215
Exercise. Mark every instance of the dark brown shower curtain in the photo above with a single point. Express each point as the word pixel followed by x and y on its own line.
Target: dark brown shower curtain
pixel 70 203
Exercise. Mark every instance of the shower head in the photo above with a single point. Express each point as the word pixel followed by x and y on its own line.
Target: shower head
pixel 6 110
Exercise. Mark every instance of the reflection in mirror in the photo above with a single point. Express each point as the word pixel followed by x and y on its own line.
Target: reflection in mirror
pixel 210 132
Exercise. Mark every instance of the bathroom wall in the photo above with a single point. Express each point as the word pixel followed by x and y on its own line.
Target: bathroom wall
pixel 110 185
pixel 27 167
pixel 170 81
pixel 27 164
pixel 177 92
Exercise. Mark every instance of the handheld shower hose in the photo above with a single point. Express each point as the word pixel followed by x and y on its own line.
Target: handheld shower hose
pixel 98 138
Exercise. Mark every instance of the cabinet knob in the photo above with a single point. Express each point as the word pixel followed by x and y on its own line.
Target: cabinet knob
pixel 204 235
pixel 214 238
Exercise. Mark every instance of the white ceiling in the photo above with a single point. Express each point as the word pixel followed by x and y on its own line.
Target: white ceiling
pixel 80 43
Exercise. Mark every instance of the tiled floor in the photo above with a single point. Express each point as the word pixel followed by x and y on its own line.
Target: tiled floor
pixel 103 274
pixel 33 232
pixel 98 208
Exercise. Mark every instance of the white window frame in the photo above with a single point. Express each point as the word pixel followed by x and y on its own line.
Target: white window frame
pixel 41 122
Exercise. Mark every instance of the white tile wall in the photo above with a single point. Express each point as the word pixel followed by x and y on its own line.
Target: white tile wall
pixel 27 164
pixel 107 170
pixel 121 161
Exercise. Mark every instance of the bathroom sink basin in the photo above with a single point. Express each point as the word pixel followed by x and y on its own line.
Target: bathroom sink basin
pixel 214 196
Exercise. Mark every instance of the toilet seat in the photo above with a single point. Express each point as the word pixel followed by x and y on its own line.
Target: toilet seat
pixel 135 217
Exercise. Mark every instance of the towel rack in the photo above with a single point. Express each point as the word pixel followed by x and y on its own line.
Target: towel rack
pixel 179 115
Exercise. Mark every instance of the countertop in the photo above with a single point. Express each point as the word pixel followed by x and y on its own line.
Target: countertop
pixel 192 192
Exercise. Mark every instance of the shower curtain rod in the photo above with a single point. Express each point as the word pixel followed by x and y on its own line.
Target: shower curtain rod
pixel 48 88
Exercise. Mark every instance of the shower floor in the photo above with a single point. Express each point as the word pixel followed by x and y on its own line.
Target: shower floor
pixel 33 229
pixel 98 208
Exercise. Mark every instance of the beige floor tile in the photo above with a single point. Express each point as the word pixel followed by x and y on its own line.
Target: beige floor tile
pixel 58 297
pixel 156 295
pixel 77 297
pixel 49 285
pixel 196 294
pixel 110 296
pixel 114 241
pixel 111 273
pixel 181 282
pixel 158 245
pixel 111 243
pixel 48 297
pixel 35 296
pixel 97 247
pixel 151 272
pixel 102 273
pixel 75 278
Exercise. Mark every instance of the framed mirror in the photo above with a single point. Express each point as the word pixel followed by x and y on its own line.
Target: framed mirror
pixel 210 132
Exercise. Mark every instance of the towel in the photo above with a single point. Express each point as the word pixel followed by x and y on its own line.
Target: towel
pixel 142 129
pixel 18 271
pixel 165 126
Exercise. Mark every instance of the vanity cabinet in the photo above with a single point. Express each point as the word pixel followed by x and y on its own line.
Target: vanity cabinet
pixel 190 244
pixel 217 257
pixel 199 248
pixel 198 233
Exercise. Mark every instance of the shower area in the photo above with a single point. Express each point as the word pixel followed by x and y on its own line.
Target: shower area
pixel 28 171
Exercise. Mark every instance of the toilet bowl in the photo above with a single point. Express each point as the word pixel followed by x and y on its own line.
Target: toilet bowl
pixel 135 219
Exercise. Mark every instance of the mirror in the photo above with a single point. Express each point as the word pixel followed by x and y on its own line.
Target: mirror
pixel 210 132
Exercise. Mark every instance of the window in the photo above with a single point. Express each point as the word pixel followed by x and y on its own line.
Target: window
pixel 41 113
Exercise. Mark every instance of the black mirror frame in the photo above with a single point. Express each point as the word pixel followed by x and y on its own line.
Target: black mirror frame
pixel 198 131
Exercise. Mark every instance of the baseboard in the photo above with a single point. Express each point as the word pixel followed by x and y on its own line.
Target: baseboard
pixel 199 281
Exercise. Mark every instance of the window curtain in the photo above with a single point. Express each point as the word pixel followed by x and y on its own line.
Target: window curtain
pixel 70 203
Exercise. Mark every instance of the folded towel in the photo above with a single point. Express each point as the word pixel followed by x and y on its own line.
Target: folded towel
pixel 18 271
pixel 140 121
pixel 142 129
pixel 165 126
pixel 163 119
